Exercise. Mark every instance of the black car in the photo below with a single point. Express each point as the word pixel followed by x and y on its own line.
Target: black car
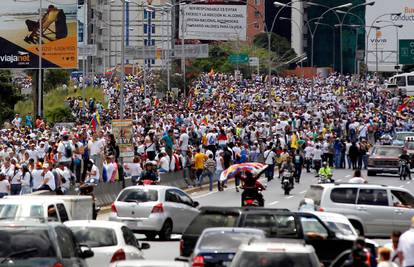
pixel 277 223
pixel 35 244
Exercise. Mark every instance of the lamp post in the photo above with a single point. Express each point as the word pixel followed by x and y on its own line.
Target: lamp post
pixel 397 27
pixel 333 41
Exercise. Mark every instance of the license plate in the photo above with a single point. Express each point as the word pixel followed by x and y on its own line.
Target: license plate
pixel 132 224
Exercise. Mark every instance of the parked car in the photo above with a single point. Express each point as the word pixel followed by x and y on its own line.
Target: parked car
pixel 33 244
pixel 399 137
pixel 374 210
pixel 110 241
pixel 149 263
pixel 154 210
pixel 217 246
pixel 384 159
pixel 276 252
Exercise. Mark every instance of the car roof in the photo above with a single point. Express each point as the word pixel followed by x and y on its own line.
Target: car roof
pixel 154 187
pixel 329 216
pixel 353 185
pixel 275 245
pixel 94 223
pixel 27 200
pixel 232 230
pixel 214 209
pixel 388 146
pixel 150 263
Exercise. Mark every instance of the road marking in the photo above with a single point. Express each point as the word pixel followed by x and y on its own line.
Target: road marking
pixel 303 192
pixel 288 197
pixel 401 185
pixel 273 203
pixel 204 195
pixel 339 180
pixel 408 183
pixel 347 176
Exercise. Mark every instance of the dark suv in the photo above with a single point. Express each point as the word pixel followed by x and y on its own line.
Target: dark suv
pixel 34 244
pixel 277 223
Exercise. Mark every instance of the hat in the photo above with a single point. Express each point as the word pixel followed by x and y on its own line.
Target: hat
pixel 92 161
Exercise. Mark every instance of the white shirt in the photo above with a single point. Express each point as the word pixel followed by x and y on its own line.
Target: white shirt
pixel 211 139
pixel 37 178
pixel 4 186
pixel 134 169
pixel 96 176
pixel 356 180
pixel 164 163
pixel 184 141
pixel 96 147
pixel 269 155
pixel 61 149
pixel 406 246
pixel 51 182
pixel 317 154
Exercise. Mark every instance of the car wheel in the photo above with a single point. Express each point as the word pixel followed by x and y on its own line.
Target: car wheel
pixel 150 236
pixel 371 173
pixel 166 230
pixel 358 227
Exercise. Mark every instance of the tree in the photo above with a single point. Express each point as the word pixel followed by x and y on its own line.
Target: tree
pixel 55 78
pixel 9 96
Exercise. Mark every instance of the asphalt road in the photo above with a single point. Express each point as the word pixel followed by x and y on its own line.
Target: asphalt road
pixel 274 198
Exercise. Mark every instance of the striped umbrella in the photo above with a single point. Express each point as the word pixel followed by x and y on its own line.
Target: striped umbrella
pixel 253 167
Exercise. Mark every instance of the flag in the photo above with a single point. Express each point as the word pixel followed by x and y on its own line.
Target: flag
pixel 405 103
pixel 190 104
pixel 211 73
pixel 95 121
pixel 98 118
pixel 156 102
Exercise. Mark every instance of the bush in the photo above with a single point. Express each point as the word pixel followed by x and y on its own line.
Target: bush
pixel 55 78
pixel 60 114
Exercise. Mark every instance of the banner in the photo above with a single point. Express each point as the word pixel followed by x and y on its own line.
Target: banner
pixel 20 34
pixel 213 22
pixel 122 130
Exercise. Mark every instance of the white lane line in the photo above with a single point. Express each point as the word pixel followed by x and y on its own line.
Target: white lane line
pixel 401 185
pixel 204 195
pixel 339 180
pixel 303 192
pixel 273 203
pixel 288 197
pixel 347 176
pixel 408 183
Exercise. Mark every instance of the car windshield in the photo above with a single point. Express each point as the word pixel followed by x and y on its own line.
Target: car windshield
pixel 410 145
pixel 225 241
pixel 31 242
pixel 207 220
pixel 95 236
pixel 272 259
pixel 21 211
pixel 341 228
pixel 387 151
pixel 138 195
pixel 402 135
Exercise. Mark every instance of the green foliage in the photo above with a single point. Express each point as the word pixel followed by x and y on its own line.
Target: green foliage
pixel 60 114
pixel 279 45
pixel 55 78
pixel 9 96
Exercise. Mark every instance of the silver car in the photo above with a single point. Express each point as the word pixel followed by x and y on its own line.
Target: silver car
pixel 374 210
pixel 154 210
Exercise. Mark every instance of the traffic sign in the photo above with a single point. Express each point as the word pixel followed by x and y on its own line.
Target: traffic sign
pixel 406 51
pixel 87 50
pixel 239 58
pixel 150 52
pixel 254 61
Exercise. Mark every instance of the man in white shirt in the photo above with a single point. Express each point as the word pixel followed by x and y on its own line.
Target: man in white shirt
pixel 65 151
pixel 48 182
pixel 270 159
pixel 406 246
pixel 184 139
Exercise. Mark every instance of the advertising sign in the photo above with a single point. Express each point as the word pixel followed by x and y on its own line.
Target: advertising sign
pixel 122 130
pixel 213 22
pixel 20 34
pixel 406 51
pixel 384 42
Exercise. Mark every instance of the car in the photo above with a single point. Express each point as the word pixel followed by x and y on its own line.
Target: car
pixel 276 252
pixel 217 246
pixel 154 210
pixel 110 241
pixel 374 210
pixel 31 243
pixel 149 263
pixel 384 159
pixel 399 137
pixel 393 90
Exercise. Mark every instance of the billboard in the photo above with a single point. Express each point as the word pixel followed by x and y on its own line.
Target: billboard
pixel 20 34
pixel 384 42
pixel 213 22
pixel 123 132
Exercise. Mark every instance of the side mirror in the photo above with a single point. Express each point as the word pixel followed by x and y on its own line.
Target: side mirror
pixel 86 252
pixel 145 246
pixel 196 204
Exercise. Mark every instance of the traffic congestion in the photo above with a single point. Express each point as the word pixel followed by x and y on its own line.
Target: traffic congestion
pixel 313 172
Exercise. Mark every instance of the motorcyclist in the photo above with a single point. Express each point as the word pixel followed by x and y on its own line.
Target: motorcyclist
pixel 325 171
pixel 251 187
pixel 288 166
pixel 149 173
pixel 406 157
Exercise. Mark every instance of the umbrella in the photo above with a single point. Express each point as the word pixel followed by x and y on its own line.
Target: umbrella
pixel 253 167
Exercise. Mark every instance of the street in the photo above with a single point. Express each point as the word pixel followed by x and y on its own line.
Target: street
pixel 274 198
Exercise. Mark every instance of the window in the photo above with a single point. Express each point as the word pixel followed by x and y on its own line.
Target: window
pixel 312 226
pixel 145 28
pixel 153 28
pixel 400 81
pixel 138 195
pixel 145 42
pixel 172 196
pixel 95 236
pixel 275 225
pixel 377 197
pixel 146 12
pixel 410 80
pixel 62 212
pixel 52 214
pixel 9 210
pixel 153 42
pixel 402 199
pixel 344 195
pixel 66 242
pixel 207 220
pixel 184 198
pixel 129 237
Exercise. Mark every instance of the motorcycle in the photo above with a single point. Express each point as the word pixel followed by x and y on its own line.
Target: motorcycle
pixel 403 169
pixel 86 189
pixel 325 179
pixel 287 182
pixel 252 197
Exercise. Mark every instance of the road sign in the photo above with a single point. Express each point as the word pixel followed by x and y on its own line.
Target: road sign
pixel 152 52
pixel 87 50
pixel 239 58
pixel 406 51
pixel 254 61
pixel 192 51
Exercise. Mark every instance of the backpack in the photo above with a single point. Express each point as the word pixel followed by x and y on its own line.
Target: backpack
pixel 211 140
pixel 68 150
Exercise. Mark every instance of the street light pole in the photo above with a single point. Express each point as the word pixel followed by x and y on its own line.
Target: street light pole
pixel 333 41
pixel 121 92
pixel 182 49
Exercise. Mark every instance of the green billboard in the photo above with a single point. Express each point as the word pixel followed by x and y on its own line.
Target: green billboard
pixel 406 51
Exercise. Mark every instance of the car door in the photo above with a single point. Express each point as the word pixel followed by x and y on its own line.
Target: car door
pixel 68 248
pixel 375 211
pixel 174 208
pixel 403 205
pixel 327 246
pixel 131 249
pixel 62 212
pixel 188 210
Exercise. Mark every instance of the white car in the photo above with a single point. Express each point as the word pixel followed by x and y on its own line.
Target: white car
pixel 110 241
pixel 154 210
pixel 149 263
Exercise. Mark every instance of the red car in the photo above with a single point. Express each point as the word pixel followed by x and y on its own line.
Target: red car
pixel 384 159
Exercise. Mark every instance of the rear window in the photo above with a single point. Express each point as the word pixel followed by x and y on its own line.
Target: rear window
pixel 207 220
pixel 8 210
pixel 274 225
pixel 344 195
pixel 138 195
pixel 95 236
pixel 400 81
pixel 225 241
pixel 271 259
pixel 315 193
pixel 410 80
pixel 21 211
pixel 387 151
pixel 25 243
